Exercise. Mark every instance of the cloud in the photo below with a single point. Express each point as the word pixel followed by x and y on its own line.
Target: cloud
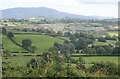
pixel 107 2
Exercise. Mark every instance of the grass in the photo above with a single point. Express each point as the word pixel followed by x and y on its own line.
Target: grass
pixel 113 33
pixel 15 24
pixel 89 60
pixel 42 42
pixel 104 43
pixel 18 60
pixel 9 45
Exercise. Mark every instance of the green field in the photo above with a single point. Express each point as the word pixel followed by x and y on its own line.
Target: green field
pixel 42 42
pixel 9 45
pixel 89 60
pixel 18 60
pixel 113 33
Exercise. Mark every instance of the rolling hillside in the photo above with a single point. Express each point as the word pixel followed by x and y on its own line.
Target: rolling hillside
pixel 42 42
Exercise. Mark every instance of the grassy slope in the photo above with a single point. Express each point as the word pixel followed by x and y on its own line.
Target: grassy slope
pixel 113 33
pixel 42 42
pixel 18 60
pixel 9 45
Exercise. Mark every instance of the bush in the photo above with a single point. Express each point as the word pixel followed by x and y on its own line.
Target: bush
pixel 27 55
pixel 108 68
pixel 15 52
pixel 25 52
pixel 15 55
pixel 101 39
pixel 38 55
pixel 6 53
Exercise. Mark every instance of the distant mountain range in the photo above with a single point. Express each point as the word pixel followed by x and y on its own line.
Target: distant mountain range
pixel 40 12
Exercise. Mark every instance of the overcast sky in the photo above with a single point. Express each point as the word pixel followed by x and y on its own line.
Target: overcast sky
pixel 82 7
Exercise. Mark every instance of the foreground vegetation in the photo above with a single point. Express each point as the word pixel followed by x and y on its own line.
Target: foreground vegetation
pixel 49 52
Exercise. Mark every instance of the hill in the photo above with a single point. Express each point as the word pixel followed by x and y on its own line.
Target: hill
pixel 40 12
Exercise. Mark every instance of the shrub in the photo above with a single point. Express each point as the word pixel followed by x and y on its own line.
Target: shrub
pixel 101 39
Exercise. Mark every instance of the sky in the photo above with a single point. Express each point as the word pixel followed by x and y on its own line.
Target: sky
pixel 81 7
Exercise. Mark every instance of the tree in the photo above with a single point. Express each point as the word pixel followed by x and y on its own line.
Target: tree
pixel 26 43
pixel 101 51
pixel 89 41
pixel 89 51
pixel 10 35
pixel 72 48
pixel 32 63
pixel 108 37
pixel 53 49
pixel 76 34
pixel 25 29
pixel 82 34
pixel 4 31
pixel 108 49
pixel 91 37
pixel 116 51
pixel 67 42
pixel 101 39
pixel 6 53
pixel 117 44
pixel 81 44
pixel 72 38
pixel 119 37
pixel 59 33
pixel 67 34
pixel 114 37
pixel 32 48
pixel 5 24
pixel 41 30
pixel 59 46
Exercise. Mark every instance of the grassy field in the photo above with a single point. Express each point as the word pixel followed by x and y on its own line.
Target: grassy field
pixel 15 24
pixel 113 33
pixel 18 60
pixel 88 60
pixel 42 42
pixel 9 45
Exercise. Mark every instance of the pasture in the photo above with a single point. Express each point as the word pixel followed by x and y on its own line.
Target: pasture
pixel 9 45
pixel 18 60
pixel 89 60
pixel 42 42
pixel 113 33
